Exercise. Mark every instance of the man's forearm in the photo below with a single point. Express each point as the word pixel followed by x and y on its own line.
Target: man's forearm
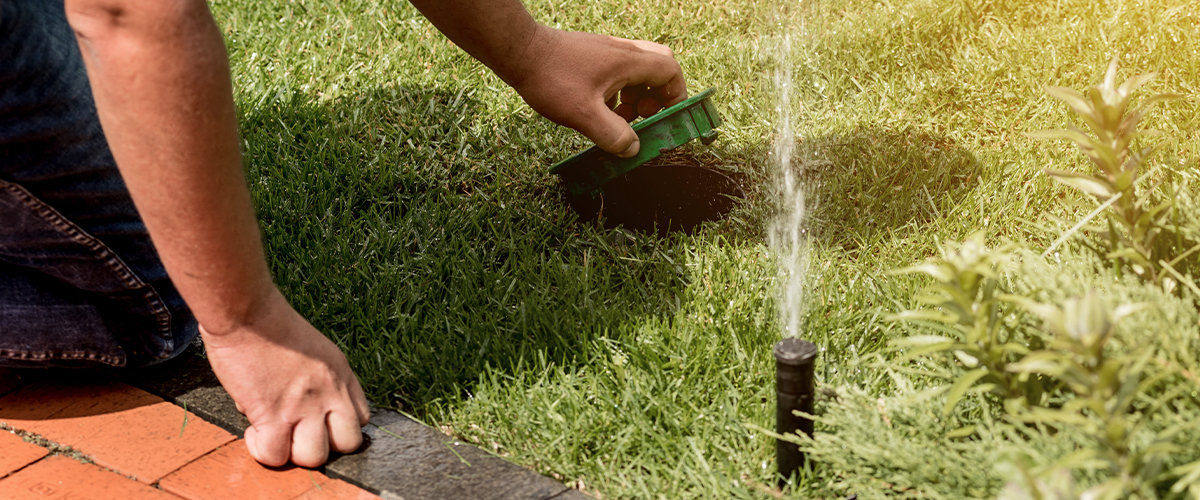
pixel 161 82
pixel 496 32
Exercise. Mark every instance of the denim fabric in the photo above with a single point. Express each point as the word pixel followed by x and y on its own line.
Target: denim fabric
pixel 80 281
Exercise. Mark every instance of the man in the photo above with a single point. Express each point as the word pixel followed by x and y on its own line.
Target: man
pixel 125 269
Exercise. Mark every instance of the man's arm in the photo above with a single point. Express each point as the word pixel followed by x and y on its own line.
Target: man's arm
pixel 161 82
pixel 571 78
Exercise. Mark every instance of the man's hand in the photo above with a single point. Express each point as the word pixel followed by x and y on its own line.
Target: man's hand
pixel 576 79
pixel 292 383
pixel 591 83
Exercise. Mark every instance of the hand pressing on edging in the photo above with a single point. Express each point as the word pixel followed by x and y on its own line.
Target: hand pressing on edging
pixel 597 84
pixel 293 384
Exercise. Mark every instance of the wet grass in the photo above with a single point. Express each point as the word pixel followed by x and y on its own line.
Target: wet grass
pixel 408 211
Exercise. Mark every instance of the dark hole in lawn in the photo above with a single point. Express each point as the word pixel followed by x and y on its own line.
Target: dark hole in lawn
pixel 675 192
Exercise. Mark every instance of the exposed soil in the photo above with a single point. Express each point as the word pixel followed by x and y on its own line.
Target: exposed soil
pixel 675 192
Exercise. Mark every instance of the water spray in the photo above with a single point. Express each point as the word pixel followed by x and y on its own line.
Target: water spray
pixel 794 387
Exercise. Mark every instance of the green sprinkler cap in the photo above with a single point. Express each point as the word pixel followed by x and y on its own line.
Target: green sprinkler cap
pixel 585 172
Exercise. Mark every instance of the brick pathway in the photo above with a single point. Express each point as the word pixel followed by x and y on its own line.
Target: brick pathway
pixel 110 440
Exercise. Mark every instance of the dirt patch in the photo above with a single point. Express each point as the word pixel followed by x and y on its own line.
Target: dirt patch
pixel 676 192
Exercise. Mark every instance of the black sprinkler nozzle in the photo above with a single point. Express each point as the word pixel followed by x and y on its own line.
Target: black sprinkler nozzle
pixel 794 387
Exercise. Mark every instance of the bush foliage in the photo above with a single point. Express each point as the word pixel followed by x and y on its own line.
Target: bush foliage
pixel 1072 368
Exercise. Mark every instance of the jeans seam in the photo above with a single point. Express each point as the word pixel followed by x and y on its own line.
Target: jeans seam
pixel 59 355
pixel 111 260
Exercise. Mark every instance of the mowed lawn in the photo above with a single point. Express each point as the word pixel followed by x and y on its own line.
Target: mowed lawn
pixel 407 209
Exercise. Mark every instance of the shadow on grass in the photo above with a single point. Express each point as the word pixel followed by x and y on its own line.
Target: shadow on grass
pixel 422 231
pixel 872 182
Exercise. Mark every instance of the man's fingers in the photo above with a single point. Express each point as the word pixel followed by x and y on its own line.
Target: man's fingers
pixel 674 91
pixel 658 69
pixel 345 434
pixel 608 130
pixel 362 409
pixel 647 107
pixel 251 440
pixel 269 445
pixel 310 443
pixel 579 95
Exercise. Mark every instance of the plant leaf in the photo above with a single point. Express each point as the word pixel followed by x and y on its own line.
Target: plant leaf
pixel 1134 117
pixel 1072 135
pixel 961 432
pixel 960 388
pixel 1078 103
pixel 1044 362
pixel 1131 254
pixel 1132 83
pixel 921 341
pixel 1190 474
pixel 966 359
pixel 937 271
pixel 1093 185
pixel 924 315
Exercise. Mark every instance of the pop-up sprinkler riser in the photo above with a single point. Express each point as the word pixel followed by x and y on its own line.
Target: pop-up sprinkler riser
pixel 794 388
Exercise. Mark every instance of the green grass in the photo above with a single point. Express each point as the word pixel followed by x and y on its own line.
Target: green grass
pixel 407 210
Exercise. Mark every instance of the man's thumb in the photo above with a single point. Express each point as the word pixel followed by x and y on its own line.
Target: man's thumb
pixel 610 132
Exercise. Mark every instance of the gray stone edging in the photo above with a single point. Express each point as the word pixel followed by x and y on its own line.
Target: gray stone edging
pixel 403 459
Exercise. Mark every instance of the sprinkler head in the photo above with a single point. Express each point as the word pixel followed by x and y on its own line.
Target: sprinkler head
pixel 794 365
pixel 694 118
pixel 794 388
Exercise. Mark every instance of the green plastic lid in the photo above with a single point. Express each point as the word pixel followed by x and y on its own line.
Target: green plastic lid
pixel 693 118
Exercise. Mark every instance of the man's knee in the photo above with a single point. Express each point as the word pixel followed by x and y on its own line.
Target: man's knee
pixel 99 19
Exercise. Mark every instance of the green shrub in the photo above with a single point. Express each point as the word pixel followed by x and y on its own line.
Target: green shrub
pixel 1098 393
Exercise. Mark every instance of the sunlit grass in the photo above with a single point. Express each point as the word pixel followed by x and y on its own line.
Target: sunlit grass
pixel 407 210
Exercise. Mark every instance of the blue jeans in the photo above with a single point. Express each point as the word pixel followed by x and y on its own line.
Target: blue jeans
pixel 80 282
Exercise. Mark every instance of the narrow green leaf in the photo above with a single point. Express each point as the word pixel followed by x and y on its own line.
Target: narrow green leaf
pixel 966 359
pixel 923 315
pixel 1072 135
pixel 1133 82
pixel 1189 474
pixel 1131 254
pixel 938 271
pixel 1162 449
pixel 1074 99
pixel 921 341
pixel 1048 416
pixel 1110 76
pixel 960 388
pixel 961 432
pixel 1093 185
pixel 1125 178
pixel 1043 362
pixel 918 352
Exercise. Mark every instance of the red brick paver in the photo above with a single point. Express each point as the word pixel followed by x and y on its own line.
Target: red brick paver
pixel 244 478
pixel 118 426
pixel 336 489
pixel 137 436
pixel 16 453
pixel 60 477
